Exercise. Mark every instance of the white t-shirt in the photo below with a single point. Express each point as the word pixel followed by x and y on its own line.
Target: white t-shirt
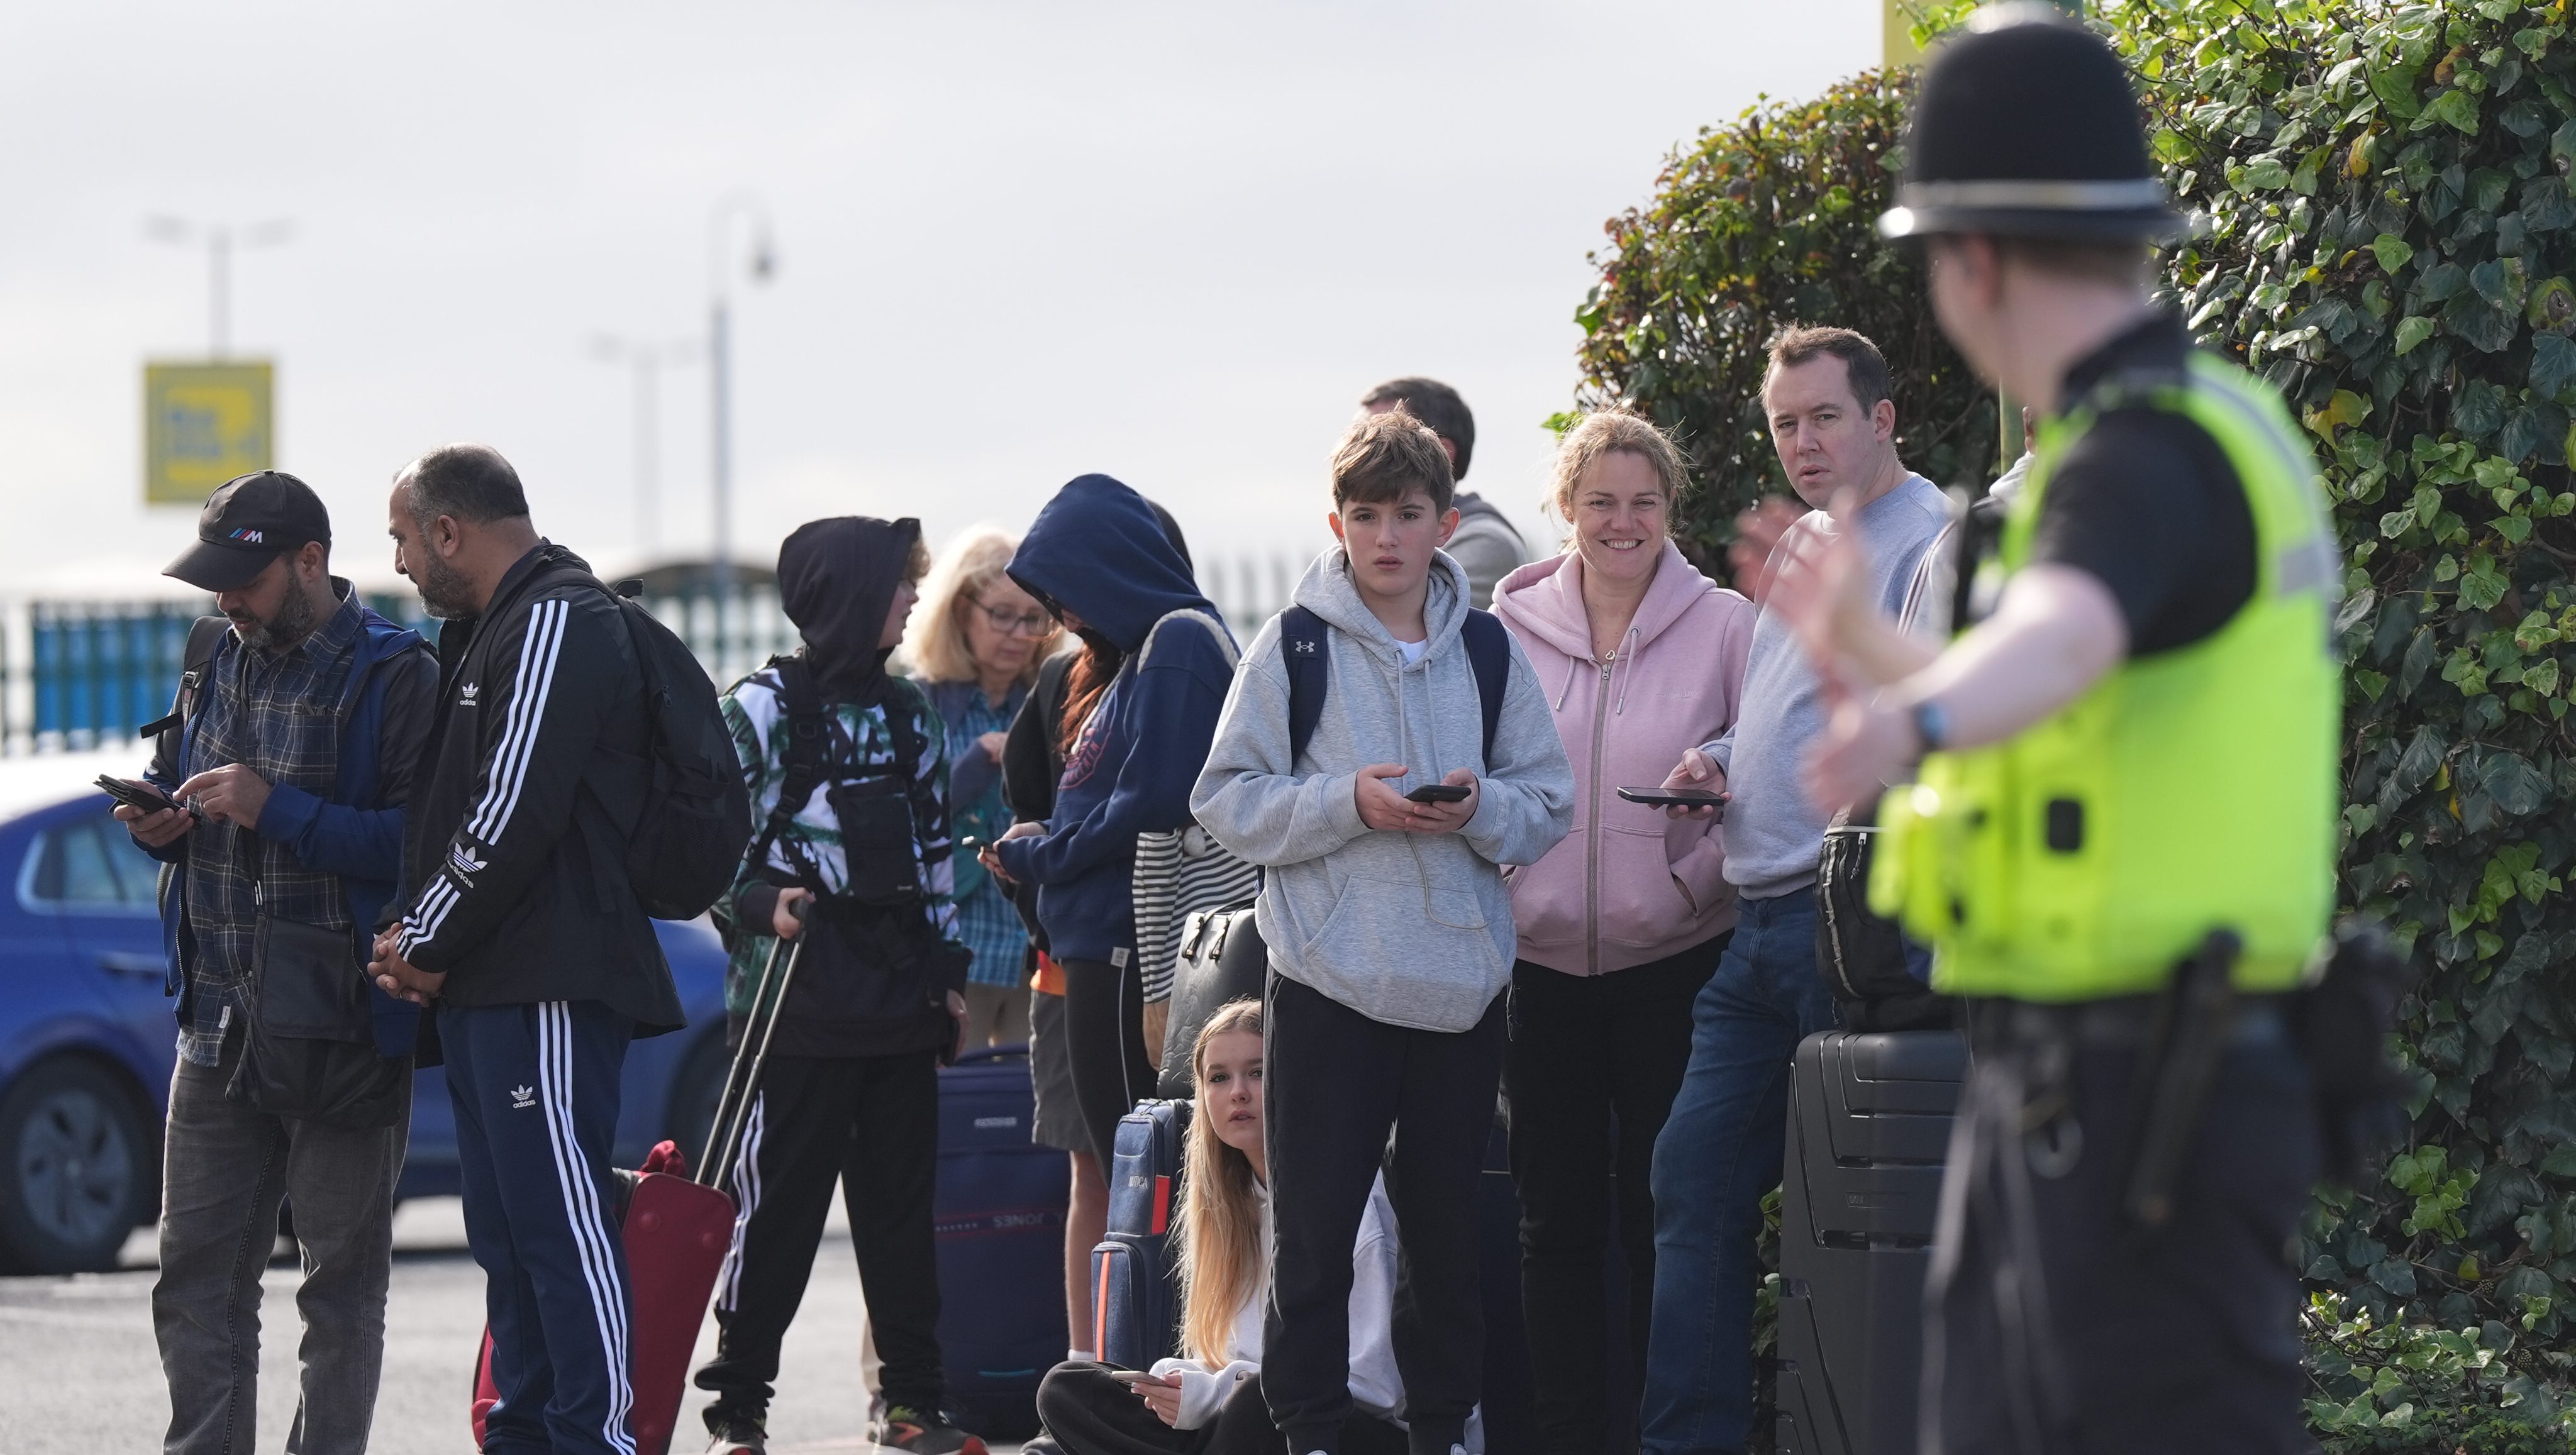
pixel 1413 650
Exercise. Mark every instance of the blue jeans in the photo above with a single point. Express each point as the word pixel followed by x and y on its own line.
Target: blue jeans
pixel 1719 1154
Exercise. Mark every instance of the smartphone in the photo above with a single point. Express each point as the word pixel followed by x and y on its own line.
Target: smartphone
pixel 148 799
pixel 1676 798
pixel 1439 793
pixel 970 843
pixel 1134 1377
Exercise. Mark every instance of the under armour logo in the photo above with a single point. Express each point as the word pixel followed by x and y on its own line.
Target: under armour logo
pixel 1302 648
pixel 522 1097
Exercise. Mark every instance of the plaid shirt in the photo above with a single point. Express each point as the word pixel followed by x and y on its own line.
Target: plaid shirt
pixel 278 713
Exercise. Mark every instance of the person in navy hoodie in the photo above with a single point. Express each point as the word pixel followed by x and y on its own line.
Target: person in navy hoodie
pixel 1146 699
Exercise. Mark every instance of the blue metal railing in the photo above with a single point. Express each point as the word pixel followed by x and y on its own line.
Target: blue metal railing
pixel 84 674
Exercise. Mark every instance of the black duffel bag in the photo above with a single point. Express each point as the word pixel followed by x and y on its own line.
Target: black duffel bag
pixel 1222 959
pixel 1861 954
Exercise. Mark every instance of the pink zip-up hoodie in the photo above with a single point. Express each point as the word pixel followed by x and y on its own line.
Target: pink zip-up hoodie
pixel 1629 885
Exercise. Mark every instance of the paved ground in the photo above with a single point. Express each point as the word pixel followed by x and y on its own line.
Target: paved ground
pixel 84 1376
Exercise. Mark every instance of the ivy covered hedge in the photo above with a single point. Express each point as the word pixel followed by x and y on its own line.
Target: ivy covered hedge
pixel 1768 220
pixel 2392 243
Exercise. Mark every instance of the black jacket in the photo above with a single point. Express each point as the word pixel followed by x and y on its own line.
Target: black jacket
pixel 514 871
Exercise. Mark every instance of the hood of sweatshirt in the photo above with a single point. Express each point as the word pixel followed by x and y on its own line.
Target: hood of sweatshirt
pixel 1544 600
pixel 1326 590
pixel 1099 550
pixel 836 580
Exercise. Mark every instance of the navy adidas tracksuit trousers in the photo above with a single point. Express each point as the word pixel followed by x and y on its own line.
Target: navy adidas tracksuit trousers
pixel 536 1094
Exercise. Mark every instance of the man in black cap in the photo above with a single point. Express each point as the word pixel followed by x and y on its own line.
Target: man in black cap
pixel 297 730
pixel 2120 838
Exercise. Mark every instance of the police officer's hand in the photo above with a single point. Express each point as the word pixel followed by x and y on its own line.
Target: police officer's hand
pixel 787 921
pixel 229 794
pixel 154 828
pixel 1866 745
pixel 1758 533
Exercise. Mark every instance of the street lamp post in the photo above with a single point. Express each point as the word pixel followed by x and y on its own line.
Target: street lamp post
pixel 646 359
pixel 738 215
pixel 219 239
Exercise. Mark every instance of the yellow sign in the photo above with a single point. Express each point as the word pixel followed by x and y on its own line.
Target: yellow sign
pixel 202 425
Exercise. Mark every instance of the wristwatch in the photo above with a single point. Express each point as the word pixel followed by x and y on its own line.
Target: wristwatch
pixel 1931 725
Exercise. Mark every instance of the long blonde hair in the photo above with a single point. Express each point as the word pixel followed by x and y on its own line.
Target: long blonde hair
pixel 1220 1218
pixel 934 646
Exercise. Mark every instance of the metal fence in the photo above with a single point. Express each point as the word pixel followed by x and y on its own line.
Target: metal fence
pixel 84 674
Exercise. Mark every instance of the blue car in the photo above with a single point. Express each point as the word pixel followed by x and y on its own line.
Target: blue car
pixel 87 1039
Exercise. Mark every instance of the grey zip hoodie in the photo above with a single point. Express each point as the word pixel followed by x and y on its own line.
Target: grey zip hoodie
pixel 1411 929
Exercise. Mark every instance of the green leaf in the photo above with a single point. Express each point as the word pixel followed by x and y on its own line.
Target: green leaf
pixel 2395 89
pixel 2553 364
pixel 2457 107
pixel 2516 786
pixel 2392 251
pixel 2263 174
pixel 2412 330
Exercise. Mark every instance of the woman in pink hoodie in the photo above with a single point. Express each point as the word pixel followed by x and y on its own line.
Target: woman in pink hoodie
pixel 1619 924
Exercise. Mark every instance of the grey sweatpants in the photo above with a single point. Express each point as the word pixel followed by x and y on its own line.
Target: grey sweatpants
pixel 225 1168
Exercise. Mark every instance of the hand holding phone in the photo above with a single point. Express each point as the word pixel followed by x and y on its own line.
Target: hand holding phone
pixel 1443 807
pixel 1676 798
pixel 152 816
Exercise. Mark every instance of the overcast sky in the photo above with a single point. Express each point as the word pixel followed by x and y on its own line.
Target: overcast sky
pixel 1016 242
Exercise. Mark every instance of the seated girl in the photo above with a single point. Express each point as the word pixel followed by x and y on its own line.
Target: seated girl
pixel 1210 1402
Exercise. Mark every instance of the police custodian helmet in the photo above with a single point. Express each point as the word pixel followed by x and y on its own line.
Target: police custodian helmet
pixel 2024 126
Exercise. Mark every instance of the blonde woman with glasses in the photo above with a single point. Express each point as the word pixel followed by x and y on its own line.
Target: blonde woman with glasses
pixel 975 647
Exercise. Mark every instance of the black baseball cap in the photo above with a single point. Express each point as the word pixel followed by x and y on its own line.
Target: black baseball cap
pixel 247 523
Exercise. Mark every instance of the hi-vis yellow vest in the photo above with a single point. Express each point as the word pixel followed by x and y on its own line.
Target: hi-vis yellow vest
pixel 2188 791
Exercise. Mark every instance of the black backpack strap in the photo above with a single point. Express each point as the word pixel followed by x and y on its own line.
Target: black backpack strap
pixel 1301 649
pixel 808 739
pixel 1489 651
pixel 205 638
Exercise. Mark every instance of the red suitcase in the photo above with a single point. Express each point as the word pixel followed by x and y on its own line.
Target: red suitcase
pixel 677 1229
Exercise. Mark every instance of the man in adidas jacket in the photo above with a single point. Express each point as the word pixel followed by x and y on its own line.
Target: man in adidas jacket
pixel 519 926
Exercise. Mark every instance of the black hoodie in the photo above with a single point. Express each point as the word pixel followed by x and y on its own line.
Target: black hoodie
pixel 855 993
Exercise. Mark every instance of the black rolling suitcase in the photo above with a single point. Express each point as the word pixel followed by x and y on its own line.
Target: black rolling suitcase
pixel 999 1220
pixel 1869 1122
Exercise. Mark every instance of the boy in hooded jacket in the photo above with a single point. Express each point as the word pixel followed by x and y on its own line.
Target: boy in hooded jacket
pixel 1389 930
pixel 860 870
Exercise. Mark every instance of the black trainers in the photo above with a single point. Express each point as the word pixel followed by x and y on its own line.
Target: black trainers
pixel 737 1435
pixel 921 1432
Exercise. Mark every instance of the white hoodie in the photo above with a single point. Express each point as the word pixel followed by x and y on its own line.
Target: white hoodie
pixel 1375 1385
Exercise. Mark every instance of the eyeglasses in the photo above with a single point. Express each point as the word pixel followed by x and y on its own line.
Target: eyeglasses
pixel 1009 623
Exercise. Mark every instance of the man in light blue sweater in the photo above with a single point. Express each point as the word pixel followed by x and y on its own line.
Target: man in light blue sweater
pixel 1826 396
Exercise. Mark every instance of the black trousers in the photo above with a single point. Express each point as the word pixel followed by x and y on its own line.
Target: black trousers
pixel 2053 1325
pixel 1591 1069
pixel 1337 1083
pixel 1089 1413
pixel 1104 1029
pixel 872 1124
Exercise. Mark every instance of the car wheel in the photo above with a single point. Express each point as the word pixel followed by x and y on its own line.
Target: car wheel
pixel 694 1095
pixel 75 1169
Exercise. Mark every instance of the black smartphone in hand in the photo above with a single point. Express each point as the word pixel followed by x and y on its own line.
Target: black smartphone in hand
pixel 1675 798
pixel 1439 793
pixel 142 796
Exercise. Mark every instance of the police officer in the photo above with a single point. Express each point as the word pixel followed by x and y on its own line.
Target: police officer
pixel 2120 837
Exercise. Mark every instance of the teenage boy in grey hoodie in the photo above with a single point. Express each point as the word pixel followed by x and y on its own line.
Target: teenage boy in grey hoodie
pixel 1389 929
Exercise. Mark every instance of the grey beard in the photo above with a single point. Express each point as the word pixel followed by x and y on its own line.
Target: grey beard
pixel 444 592
pixel 294 618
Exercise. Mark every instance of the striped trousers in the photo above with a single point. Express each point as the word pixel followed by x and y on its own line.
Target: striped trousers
pixel 536 1094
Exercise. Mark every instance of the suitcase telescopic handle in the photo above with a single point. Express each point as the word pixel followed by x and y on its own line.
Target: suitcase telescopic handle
pixel 742 1075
